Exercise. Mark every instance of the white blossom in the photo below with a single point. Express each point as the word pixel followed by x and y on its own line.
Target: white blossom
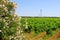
pixel 13 19
pixel 24 36
pixel 0 5
pixel 6 23
pixel 21 31
pixel 6 17
pixel 0 30
pixel 3 5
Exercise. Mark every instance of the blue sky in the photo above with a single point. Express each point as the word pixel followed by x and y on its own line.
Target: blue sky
pixel 32 7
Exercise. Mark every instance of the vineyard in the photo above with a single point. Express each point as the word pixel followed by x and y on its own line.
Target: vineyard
pixel 47 27
pixel 13 27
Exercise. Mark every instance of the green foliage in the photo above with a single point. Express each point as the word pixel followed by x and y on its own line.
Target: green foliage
pixel 9 22
pixel 43 24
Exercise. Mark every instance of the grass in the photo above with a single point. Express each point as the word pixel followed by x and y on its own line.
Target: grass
pixel 33 35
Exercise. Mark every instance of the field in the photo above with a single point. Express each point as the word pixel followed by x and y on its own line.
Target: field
pixel 41 28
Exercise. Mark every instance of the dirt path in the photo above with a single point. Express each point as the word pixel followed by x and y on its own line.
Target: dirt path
pixel 39 36
pixel 36 37
pixel 28 36
pixel 55 36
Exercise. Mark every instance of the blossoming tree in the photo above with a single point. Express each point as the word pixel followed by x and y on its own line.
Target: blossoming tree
pixel 9 22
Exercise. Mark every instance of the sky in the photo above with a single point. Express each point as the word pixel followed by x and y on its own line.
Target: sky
pixel 33 7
